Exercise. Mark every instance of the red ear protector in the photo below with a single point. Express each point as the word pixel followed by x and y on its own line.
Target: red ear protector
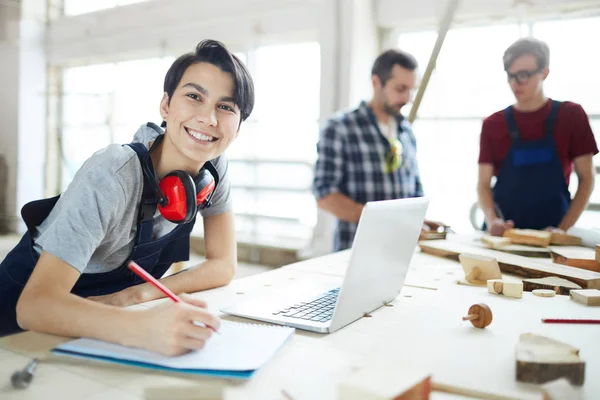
pixel 179 195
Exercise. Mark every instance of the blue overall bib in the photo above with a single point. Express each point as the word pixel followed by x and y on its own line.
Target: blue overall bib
pixel 155 256
pixel 531 188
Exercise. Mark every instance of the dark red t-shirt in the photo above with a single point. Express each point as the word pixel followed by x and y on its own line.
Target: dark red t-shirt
pixel 572 133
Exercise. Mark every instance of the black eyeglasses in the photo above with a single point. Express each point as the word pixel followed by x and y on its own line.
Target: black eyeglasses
pixel 522 76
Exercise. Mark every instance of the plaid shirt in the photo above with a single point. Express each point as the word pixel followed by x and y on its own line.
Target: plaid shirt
pixel 351 160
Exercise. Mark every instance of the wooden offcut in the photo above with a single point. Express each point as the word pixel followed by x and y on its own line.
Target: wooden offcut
pixel 529 236
pixel 577 257
pixel 544 293
pixel 495 242
pixel 541 359
pixel 587 297
pixel 504 244
pixel 558 238
pixel 559 285
pixel 512 264
pixel 432 235
pixel 478 269
pixel 561 389
pixel 506 288
pixel 378 383
pixel 211 390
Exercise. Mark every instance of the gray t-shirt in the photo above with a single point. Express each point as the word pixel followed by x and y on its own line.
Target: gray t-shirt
pixel 94 223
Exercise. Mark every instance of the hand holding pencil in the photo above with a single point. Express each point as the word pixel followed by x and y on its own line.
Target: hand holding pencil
pixel 176 327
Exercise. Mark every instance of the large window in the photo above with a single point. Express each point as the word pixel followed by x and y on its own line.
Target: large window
pixel 107 103
pixel 469 84
pixel 272 159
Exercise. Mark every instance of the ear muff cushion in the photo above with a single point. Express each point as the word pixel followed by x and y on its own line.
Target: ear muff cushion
pixel 180 191
pixel 205 185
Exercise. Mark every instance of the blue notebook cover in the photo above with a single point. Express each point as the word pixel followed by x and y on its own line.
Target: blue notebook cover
pixel 237 352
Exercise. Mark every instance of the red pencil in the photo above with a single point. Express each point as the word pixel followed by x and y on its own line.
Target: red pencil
pixel 139 271
pixel 570 321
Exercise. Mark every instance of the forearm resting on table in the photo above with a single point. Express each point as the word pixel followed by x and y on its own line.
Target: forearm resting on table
pixel 56 311
pixel 342 206
pixel 210 274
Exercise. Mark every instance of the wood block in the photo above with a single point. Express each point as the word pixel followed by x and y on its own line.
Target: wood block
pixel 432 235
pixel 565 240
pixel 478 269
pixel 576 257
pixel 561 389
pixel 206 391
pixel 517 249
pixel 598 253
pixel 512 264
pixel 495 242
pixel 544 293
pixel 588 297
pixel 466 392
pixel 529 236
pixel 559 285
pixel 381 384
pixel 507 288
pixel 541 359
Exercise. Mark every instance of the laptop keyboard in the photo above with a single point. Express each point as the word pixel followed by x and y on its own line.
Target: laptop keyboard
pixel 318 310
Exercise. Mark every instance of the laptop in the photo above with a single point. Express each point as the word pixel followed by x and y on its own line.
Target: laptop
pixel 383 246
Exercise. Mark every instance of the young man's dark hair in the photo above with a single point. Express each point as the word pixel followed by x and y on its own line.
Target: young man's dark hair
pixel 383 65
pixel 214 52
pixel 521 47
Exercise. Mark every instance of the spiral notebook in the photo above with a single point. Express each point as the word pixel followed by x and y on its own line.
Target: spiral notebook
pixel 236 352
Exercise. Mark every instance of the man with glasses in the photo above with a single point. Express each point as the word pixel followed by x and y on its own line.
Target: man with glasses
pixel 532 148
pixel 369 153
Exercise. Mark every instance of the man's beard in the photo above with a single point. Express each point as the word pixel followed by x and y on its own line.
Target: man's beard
pixel 393 111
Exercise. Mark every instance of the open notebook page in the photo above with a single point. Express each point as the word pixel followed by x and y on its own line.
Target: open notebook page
pixel 237 347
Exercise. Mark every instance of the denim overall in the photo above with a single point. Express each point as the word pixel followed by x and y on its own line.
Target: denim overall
pixel 531 188
pixel 155 256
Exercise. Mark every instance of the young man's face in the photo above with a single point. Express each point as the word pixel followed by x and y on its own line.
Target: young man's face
pixel 202 119
pixel 397 91
pixel 525 78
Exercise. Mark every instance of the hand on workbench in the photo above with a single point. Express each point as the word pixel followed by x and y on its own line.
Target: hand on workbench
pixel 173 328
pixel 498 226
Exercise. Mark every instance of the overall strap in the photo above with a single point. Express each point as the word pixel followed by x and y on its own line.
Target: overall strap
pixel 509 114
pixel 551 120
pixel 149 202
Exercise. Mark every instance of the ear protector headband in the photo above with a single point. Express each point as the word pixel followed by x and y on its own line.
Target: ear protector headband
pixel 179 195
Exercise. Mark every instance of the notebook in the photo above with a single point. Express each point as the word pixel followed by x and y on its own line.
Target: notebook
pixel 236 352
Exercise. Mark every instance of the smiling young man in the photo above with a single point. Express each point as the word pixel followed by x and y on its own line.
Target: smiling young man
pixel 532 148
pixel 69 275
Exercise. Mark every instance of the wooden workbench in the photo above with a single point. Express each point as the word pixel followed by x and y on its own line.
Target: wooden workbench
pixel 422 330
